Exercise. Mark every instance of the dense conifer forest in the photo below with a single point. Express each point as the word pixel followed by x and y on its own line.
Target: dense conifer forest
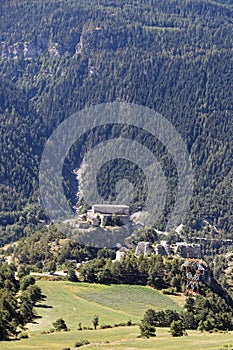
pixel 58 57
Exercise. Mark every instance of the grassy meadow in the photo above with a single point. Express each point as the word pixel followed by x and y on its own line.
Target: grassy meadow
pixel 79 302
pixel 122 338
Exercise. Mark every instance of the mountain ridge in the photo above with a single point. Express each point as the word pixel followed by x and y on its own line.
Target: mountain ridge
pixel 118 52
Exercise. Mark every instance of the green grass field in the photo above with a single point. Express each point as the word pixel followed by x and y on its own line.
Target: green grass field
pixel 123 338
pixel 79 302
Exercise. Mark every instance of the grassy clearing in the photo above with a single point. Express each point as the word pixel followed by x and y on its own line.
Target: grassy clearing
pixel 79 302
pixel 171 29
pixel 123 338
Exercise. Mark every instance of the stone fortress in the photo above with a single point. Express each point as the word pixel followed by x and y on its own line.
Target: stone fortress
pixel 102 214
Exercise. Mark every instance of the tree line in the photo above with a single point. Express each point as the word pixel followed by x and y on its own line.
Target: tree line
pixel 17 300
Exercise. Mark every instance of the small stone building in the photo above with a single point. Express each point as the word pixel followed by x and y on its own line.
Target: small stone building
pixel 188 250
pixel 120 254
pixel 143 248
pixel 101 214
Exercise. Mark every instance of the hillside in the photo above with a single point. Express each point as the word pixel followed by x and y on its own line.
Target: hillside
pixel 80 302
pixel 114 304
pixel 58 58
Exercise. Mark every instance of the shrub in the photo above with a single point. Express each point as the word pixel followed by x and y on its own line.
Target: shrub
pixel 104 326
pixel 81 343
pixel 169 291
pixel 71 275
pixel 177 328
pixel 147 330
pixel 60 325
pixel 23 336
pixel 121 324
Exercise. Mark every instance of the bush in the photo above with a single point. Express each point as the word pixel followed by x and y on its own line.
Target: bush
pixel 81 343
pixel 104 326
pixel 23 336
pixel 177 328
pixel 147 330
pixel 169 291
pixel 121 324
pixel 71 275
pixel 60 325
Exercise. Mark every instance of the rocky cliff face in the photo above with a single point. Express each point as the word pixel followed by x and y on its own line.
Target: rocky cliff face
pixel 29 50
pixel 20 49
pixel 209 280
pixel 89 39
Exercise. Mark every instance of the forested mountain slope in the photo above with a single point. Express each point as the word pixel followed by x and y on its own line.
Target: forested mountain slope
pixel 59 56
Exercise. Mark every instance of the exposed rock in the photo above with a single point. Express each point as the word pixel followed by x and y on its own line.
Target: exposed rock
pixel 54 50
pixel 30 50
pixel 88 39
pixel 21 49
